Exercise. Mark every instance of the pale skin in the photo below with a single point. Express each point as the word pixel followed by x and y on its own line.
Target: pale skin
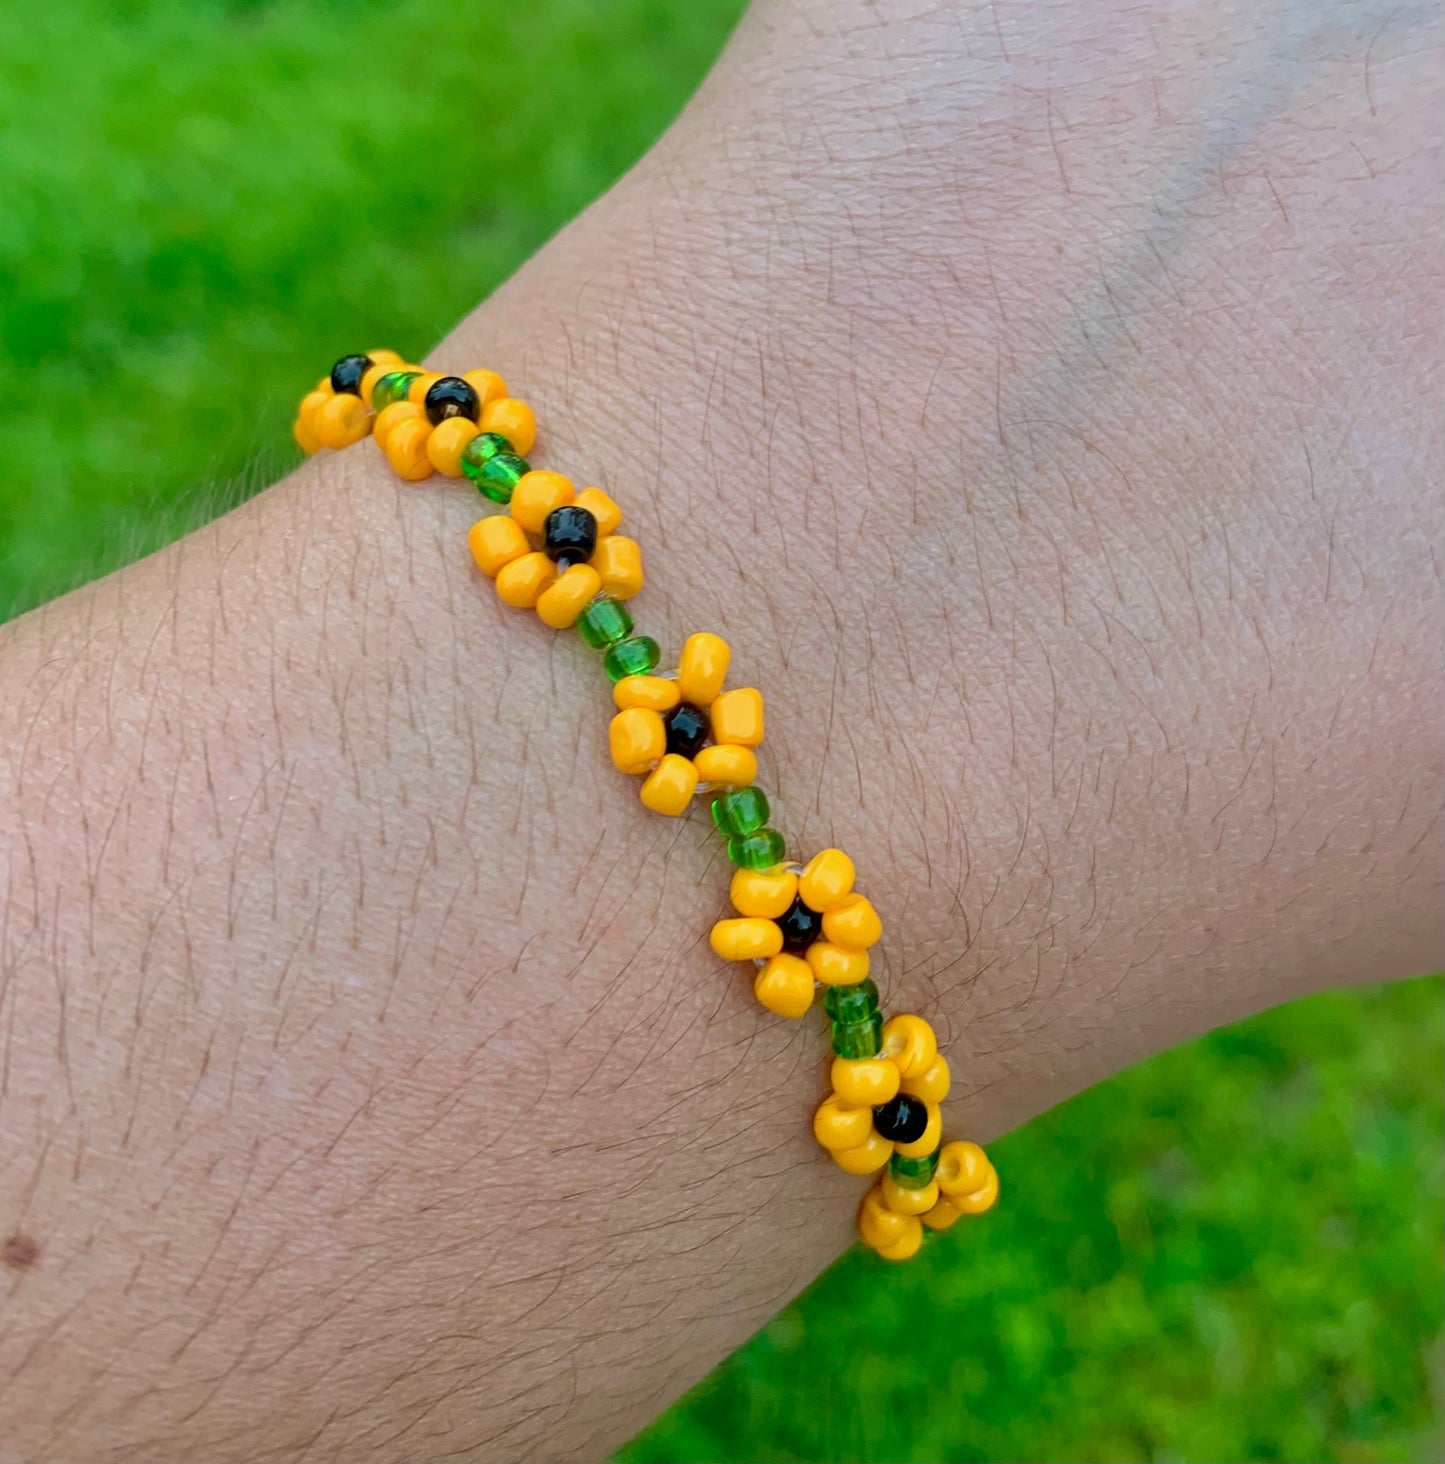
pixel 1039 399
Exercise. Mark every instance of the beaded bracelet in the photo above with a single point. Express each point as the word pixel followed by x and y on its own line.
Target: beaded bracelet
pixel 684 733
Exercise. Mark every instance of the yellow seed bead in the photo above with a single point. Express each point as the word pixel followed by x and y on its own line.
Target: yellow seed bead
pixel 910 1042
pixel 908 1201
pixel 726 766
pixel 487 385
pixel 881 1227
pixel 702 668
pixel 840 1125
pixel 312 403
pixel 981 1199
pixel 867 1081
pixel 342 420
pixel 305 435
pixel 907 1247
pixel 962 1168
pixel 928 1140
pixel 834 966
pixel 737 716
pixel 406 449
pixel 943 1215
pixel 670 785
pixel 746 940
pixel 444 446
pixel 417 391
pixel 826 880
pixel 602 508
pixel 389 417
pixel 520 582
pixel 537 493
pixel 514 420
pixel 371 376
pixel 931 1085
pixel 656 693
pixel 390 359
pixel 495 542
pixel 854 924
pixel 566 597
pixel 638 739
pixel 618 560
pixel 785 986
pixel 765 893
pixel 869 1157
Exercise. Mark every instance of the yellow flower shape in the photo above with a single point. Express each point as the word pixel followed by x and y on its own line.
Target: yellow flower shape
pixel 684 732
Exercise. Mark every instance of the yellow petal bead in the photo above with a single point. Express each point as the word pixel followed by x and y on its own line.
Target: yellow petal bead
pixel 881 1227
pixel 602 508
pixel 514 420
pixel 670 785
pixel 785 986
pixel 727 766
pixel 746 940
pixel 869 1157
pixel 656 693
pixel 341 420
pixel 444 446
pixel 962 1168
pixel 929 1139
pixel 417 391
pixel 737 716
pixel 834 966
pixel 701 669
pixel 305 435
pixel 384 357
pixel 406 449
pixel 908 1201
pixel 535 496
pixel 910 1042
pixel 566 597
pixel 840 1125
pixel 487 385
pixel 312 403
pixel 931 1085
pixel 523 580
pixel 905 1248
pixel 766 893
pixel 495 542
pixel 854 924
pixel 638 739
pixel 618 560
pixel 390 417
pixel 866 1081
pixel 826 880
pixel 371 376
pixel 981 1199
pixel 943 1215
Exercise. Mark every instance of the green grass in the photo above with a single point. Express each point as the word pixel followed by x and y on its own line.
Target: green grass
pixel 1231 1252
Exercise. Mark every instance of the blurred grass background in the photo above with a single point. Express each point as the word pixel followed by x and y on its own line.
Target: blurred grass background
pixel 1232 1252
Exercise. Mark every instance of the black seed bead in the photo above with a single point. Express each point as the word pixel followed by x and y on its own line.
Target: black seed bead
pixel 347 373
pixel 452 397
pixel 569 535
pixel 901 1119
pixel 800 925
pixel 687 729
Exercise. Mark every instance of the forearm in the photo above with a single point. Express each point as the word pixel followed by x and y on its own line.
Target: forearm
pixel 370 1088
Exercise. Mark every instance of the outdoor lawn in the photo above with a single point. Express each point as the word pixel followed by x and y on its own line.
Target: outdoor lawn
pixel 1231 1252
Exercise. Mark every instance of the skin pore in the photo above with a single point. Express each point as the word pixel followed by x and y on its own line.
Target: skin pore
pixel 1034 396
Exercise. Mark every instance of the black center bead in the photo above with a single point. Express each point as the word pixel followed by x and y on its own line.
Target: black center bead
pixel 347 373
pixel 687 729
pixel 569 535
pixel 452 397
pixel 901 1119
pixel 800 925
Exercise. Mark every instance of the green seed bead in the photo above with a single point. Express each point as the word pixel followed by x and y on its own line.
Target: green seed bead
pixel 852 1003
pixel 635 656
pixel 740 810
pixel 604 622
pixel 859 1039
pixel 490 463
pixel 760 849
pixel 392 387
pixel 913 1173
